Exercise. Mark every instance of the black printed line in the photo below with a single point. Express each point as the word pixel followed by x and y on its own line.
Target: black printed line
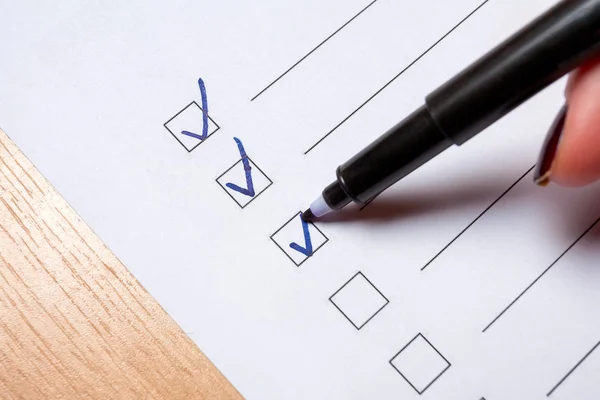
pixel 394 78
pixel 540 276
pixel 478 217
pixel 313 50
pixel 573 369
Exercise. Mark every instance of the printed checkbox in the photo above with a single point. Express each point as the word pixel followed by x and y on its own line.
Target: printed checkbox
pixel 419 363
pixel 244 184
pixel 299 239
pixel 359 300
pixel 191 126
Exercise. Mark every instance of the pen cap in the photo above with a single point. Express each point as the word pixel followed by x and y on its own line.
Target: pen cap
pixel 539 54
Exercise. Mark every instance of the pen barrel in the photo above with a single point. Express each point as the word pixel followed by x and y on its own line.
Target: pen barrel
pixel 395 154
pixel 545 50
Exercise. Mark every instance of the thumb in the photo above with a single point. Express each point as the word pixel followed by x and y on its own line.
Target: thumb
pixel 570 155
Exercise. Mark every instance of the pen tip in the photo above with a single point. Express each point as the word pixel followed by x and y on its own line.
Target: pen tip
pixel 308 215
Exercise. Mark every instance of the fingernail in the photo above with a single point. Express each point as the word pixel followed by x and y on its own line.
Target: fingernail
pixel 543 168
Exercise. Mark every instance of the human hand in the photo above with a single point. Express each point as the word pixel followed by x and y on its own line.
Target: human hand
pixel 570 155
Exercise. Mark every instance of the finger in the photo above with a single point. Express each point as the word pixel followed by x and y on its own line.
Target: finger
pixel 571 153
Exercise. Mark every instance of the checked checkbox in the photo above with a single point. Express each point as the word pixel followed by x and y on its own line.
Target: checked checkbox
pixel 192 125
pixel 299 239
pixel 244 181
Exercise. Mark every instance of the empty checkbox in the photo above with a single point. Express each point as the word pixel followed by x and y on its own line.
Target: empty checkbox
pixel 191 126
pixel 244 181
pixel 299 239
pixel 419 363
pixel 359 300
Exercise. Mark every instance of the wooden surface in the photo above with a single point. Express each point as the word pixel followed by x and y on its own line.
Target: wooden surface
pixel 74 323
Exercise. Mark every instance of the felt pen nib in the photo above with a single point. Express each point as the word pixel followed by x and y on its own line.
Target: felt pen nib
pixel 317 209
pixel 308 215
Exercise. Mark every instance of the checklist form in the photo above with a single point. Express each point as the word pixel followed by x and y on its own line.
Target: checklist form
pixel 190 135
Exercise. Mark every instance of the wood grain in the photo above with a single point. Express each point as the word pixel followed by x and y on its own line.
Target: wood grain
pixel 74 323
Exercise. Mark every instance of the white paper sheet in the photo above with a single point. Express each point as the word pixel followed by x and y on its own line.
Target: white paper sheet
pixel 460 285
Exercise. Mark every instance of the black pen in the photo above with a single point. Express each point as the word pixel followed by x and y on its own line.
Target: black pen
pixel 558 41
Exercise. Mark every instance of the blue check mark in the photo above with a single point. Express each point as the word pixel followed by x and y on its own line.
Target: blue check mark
pixel 204 134
pixel 307 249
pixel 249 189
